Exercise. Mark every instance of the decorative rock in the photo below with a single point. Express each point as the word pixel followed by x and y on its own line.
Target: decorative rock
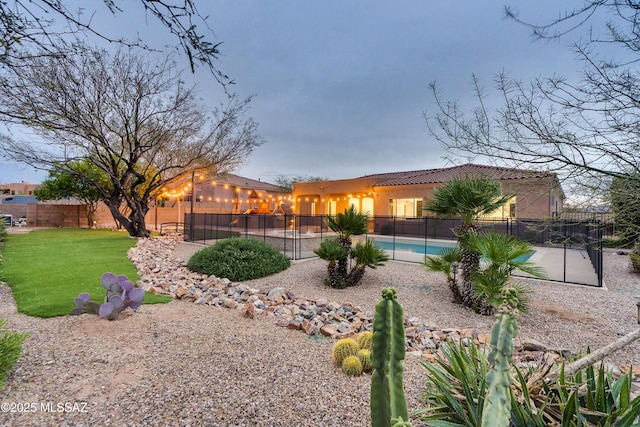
pixel 229 303
pixel 329 330
pixel 277 293
pixel 530 344
pixel 163 274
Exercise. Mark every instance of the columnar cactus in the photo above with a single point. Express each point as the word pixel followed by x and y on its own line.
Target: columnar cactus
pixel 387 394
pixel 497 404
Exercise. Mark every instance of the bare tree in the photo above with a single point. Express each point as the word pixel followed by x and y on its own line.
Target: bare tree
pixel 133 119
pixel 29 27
pixel 585 128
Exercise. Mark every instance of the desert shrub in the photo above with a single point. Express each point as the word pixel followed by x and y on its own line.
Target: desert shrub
pixel 10 350
pixel 238 259
pixel 635 257
pixel 459 389
pixel 3 232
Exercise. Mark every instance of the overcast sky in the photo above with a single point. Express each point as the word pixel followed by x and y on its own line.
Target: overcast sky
pixel 341 87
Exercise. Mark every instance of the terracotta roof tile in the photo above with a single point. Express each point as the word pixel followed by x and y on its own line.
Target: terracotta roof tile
pixel 434 176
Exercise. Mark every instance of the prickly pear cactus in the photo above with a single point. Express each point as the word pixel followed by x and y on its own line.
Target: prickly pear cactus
pixel 120 294
pixel 497 405
pixel 365 358
pixel 344 348
pixel 351 366
pixel 387 394
pixel 365 340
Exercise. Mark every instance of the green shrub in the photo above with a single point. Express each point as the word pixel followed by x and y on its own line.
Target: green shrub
pixel 238 259
pixel 3 232
pixel 10 350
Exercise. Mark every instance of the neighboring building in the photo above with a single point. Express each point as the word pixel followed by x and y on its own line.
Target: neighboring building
pixel 227 193
pixel 17 189
pixel 18 200
pixel 403 194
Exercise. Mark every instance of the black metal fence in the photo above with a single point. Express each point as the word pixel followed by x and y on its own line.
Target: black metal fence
pixel 297 236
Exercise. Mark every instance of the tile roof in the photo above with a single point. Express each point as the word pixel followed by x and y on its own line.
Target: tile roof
pixel 236 181
pixel 248 183
pixel 435 176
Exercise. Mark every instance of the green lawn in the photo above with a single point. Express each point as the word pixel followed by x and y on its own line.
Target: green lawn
pixel 47 269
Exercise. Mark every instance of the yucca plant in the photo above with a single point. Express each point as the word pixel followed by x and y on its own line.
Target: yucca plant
pixel 447 262
pixel 553 394
pixel 592 397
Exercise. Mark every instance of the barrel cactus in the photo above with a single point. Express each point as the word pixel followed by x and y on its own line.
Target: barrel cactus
pixel 365 340
pixel 365 359
pixel 344 348
pixel 387 394
pixel 351 366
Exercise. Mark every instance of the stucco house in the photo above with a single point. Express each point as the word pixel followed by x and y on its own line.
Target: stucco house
pixel 227 193
pixel 403 194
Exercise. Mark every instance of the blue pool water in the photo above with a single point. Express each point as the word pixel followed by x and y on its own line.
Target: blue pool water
pixel 420 248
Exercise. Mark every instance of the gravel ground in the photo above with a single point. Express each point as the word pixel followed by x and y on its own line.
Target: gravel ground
pixel 190 365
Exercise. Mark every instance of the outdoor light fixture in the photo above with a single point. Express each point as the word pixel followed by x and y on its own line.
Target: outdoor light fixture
pixel 638 305
pixel 455 271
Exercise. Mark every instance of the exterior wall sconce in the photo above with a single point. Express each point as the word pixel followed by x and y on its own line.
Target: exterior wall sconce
pixel 638 305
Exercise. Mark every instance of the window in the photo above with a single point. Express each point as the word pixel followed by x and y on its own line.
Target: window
pixel 354 201
pixel 332 206
pixel 405 208
pixel 367 206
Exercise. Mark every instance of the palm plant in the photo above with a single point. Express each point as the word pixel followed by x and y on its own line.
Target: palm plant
pixel 447 262
pixel 467 198
pixel 330 250
pixel 338 251
pixel 503 254
pixel 345 225
pixel 365 254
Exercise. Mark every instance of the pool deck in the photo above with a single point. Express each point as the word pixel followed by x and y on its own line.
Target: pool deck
pixel 575 267
pixel 578 266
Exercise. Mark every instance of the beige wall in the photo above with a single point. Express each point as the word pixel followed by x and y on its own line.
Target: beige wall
pixel 540 198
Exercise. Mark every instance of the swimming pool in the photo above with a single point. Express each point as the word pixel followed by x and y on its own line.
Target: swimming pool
pixel 415 247
pixel 431 248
